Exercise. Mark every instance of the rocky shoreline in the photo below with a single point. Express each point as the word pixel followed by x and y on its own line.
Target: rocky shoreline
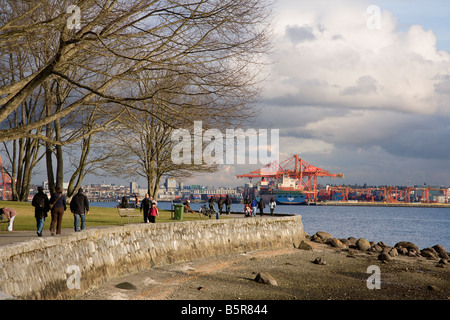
pixel 320 267
pixel 385 252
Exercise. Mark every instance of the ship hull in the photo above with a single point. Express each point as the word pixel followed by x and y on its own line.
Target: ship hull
pixel 290 199
pixel 285 198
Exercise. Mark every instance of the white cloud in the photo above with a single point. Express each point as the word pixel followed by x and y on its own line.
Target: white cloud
pixel 338 84
pixel 332 58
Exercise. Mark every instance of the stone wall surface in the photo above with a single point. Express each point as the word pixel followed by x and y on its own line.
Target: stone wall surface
pixel 62 267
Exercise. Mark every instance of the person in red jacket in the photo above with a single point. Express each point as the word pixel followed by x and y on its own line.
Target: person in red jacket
pixel 153 212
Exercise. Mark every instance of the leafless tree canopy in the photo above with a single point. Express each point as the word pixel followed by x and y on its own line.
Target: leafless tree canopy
pixel 164 62
pixel 214 44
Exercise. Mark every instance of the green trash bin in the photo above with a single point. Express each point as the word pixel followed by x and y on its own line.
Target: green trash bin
pixel 178 211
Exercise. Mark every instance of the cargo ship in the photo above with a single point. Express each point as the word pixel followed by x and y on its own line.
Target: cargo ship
pixel 292 181
pixel 277 191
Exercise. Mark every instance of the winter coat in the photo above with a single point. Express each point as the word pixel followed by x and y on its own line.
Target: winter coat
pixel 41 205
pixel 79 204
pixel 58 200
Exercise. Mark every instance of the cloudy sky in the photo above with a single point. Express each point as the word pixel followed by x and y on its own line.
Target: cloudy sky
pixel 355 92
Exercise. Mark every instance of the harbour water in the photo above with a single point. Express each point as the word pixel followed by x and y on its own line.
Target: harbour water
pixel 422 226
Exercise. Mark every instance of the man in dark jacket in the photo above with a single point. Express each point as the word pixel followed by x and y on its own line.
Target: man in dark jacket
pixel 228 203
pixel 145 205
pixel 79 206
pixel 41 207
pixel 261 206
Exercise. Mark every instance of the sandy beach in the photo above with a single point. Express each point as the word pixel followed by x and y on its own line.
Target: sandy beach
pixel 343 275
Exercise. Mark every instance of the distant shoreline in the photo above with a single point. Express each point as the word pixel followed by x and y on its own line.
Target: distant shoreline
pixel 385 204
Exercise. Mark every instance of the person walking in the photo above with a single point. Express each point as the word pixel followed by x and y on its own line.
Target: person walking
pixel 261 206
pixel 153 212
pixel 145 206
pixel 79 206
pixel 254 207
pixel 211 203
pixel 57 207
pixel 220 204
pixel 10 214
pixel 247 205
pixel 228 204
pixel 41 207
pixel 272 205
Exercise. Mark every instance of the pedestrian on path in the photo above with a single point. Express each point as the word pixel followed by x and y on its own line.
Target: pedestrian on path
pixel 145 206
pixel 261 206
pixel 57 206
pixel 254 207
pixel 153 212
pixel 41 207
pixel 9 214
pixel 79 206
pixel 272 205
pixel 228 203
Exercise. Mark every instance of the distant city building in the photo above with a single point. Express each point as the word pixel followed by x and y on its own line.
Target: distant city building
pixel 170 183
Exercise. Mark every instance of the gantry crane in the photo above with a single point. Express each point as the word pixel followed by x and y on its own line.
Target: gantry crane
pixel 295 168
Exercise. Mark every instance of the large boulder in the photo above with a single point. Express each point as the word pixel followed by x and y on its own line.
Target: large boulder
pixel 305 245
pixel 336 243
pixel 441 251
pixel 352 241
pixel 429 253
pixel 321 236
pixel 393 252
pixel 384 256
pixel 362 244
pixel 407 245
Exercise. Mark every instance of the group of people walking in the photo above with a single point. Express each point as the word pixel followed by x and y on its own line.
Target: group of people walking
pixel 220 203
pixel 148 206
pixel 79 206
pixel 251 206
pixel 57 205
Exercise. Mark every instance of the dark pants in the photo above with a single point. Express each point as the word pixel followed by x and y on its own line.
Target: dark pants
pixel 146 215
pixel 57 214
pixel 152 218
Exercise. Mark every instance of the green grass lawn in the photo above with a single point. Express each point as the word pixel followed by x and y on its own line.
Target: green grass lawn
pixel 97 217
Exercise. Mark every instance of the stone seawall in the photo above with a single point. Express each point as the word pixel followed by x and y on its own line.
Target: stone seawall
pixel 63 267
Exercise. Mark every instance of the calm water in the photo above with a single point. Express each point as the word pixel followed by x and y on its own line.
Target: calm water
pixel 423 226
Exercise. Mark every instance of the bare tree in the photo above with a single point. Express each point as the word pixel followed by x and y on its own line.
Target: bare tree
pixel 213 42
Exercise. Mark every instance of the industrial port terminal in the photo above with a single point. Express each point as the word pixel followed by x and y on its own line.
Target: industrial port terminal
pixel 293 181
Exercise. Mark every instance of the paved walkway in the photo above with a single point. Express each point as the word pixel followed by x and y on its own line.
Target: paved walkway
pixel 15 236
